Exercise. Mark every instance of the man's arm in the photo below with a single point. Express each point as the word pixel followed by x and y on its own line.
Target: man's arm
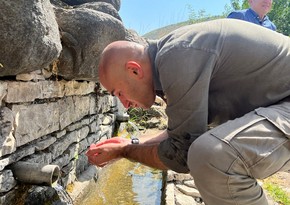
pixel 146 152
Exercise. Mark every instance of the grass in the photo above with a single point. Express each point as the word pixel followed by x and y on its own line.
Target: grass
pixel 276 192
pixel 139 115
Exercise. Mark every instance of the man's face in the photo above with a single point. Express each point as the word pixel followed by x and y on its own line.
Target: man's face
pixel 262 7
pixel 130 91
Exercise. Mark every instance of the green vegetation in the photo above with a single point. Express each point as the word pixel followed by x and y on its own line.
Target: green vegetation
pixel 277 193
pixel 280 15
pixel 200 16
pixel 140 116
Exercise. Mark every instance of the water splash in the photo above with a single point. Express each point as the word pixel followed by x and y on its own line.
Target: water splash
pixel 63 195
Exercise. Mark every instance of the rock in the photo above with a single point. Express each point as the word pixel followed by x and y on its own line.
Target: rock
pixel 3 91
pixel 169 194
pixel 174 176
pixel 190 183
pixel 182 199
pixel 188 190
pixel 102 7
pixel 132 35
pixel 59 3
pixel 32 76
pixel 7 181
pixel 85 33
pixel 115 3
pixel 44 143
pixel 29 36
pixel 7 140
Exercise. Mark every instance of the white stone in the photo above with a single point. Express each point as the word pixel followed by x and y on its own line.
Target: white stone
pixel 3 91
pixel 182 199
pixel 188 190
pixel 190 183
pixel 30 77
pixel 7 181
pixel 7 140
pixel 170 195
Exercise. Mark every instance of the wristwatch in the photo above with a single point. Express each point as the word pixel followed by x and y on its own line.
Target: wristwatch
pixel 134 140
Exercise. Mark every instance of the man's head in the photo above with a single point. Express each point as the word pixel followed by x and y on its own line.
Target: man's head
pixel 261 7
pixel 125 71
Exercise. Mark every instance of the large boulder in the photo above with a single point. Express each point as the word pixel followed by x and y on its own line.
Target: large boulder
pixel 29 36
pixel 132 35
pixel 103 7
pixel 59 3
pixel 84 34
pixel 115 3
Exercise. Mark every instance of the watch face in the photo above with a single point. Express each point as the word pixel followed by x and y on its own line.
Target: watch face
pixel 135 141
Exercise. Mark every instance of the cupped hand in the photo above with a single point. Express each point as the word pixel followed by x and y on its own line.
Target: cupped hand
pixel 103 152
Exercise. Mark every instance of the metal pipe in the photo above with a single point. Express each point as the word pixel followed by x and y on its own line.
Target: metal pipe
pixel 34 173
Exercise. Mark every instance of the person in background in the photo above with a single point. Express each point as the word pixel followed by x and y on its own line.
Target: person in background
pixel 218 74
pixel 257 13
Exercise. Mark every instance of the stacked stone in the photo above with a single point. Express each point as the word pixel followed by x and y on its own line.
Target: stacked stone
pixel 181 190
pixel 51 105
pixel 50 122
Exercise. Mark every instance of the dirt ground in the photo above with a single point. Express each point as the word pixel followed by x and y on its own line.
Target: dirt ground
pixel 282 179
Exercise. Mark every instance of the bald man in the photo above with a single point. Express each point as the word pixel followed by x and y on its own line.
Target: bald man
pixel 217 74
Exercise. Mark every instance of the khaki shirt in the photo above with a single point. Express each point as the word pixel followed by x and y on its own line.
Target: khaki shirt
pixel 213 72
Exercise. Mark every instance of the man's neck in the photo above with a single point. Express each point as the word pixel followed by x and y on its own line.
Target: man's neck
pixel 261 15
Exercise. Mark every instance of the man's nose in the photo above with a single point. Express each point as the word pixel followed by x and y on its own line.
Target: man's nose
pixel 125 102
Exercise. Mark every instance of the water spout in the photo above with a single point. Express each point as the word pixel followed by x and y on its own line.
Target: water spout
pixel 34 173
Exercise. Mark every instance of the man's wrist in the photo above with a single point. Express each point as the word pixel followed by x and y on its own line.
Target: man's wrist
pixel 135 140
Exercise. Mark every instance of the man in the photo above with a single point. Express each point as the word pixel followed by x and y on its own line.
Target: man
pixel 218 73
pixel 257 13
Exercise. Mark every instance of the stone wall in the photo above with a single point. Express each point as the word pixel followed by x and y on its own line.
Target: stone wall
pixel 51 122
pixel 51 104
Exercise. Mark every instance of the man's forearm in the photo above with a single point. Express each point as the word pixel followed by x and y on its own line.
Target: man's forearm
pixel 145 154
pixel 155 138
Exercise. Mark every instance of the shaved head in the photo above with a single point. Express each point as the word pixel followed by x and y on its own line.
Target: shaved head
pixel 116 54
pixel 125 71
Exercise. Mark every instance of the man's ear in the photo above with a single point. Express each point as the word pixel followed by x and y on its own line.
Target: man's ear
pixel 135 69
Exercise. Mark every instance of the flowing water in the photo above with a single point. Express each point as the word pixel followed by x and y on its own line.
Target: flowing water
pixel 126 183
pixel 64 197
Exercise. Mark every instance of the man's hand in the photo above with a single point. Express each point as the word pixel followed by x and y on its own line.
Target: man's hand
pixel 146 152
pixel 103 152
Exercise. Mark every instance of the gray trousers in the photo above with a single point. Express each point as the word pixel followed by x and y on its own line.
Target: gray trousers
pixel 226 161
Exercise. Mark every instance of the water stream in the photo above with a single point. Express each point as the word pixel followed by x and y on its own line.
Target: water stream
pixel 124 182
pixel 64 197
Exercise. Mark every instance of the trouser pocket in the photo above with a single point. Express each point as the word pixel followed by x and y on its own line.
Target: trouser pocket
pixel 260 144
pixel 278 115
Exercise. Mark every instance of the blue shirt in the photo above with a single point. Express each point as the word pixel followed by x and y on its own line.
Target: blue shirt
pixel 251 16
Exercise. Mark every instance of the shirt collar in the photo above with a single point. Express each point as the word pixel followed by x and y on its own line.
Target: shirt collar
pixel 257 16
pixel 152 51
